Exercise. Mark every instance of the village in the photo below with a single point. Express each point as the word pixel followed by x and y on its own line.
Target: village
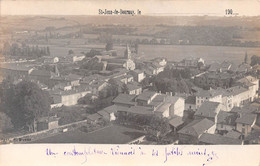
pixel 107 97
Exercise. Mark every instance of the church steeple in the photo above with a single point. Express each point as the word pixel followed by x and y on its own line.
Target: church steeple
pixel 127 52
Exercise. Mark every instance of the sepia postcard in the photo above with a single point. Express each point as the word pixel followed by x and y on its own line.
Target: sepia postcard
pixel 127 82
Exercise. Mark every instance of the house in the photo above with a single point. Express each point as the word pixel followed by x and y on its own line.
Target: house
pixel 208 110
pixel 115 63
pixel 140 110
pixel 245 122
pixel 72 58
pixel 190 103
pixel 47 123
pixel 177 105
pixel 160 104
pixel 108 113
pixel 41 75
pixel 210 95
pixel 192 62
pixel 95 82
pixel 240 96
pixel 133 89
pixel 225 66
pixel 15 71
pixel 215 67
pixel 94 118
pixel 125 78
pixel 156 100
pixel 243 68
pixel 191 133
pixel 126 62
pixel 138 75
pixel 226 121
pixel 233 134
pixel 63 86
pixel 252 84
pixel 73 79
pixel 227 99
pixel 145 98
pixel 214 79
pixel 253 137
pixel 68 97
pixel 125 100
pixel 216 139
pixel 176 123
pixel 51 59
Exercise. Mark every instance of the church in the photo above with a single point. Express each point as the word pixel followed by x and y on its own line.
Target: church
pixel 121 62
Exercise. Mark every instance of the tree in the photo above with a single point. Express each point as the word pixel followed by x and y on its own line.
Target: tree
pixel 24 103
pixel 255 60
pixel 109 46
pixel 93 53
pixel 5 122
pixel 112 88
pixel 158 127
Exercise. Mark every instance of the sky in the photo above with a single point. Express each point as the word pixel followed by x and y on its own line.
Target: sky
pixel 147 7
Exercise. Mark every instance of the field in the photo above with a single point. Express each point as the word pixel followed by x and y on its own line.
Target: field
pixel 208 53
pixel 110 135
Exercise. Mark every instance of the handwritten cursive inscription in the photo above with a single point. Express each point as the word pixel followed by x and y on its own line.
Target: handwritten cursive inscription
pixel 170 152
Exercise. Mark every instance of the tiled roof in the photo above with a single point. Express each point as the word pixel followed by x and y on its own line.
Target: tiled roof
pixel 233 134
pixel 146 95
pixel 248 119
pixel 197 127
pixel 132 86
pixel 111 109
pixel 103 113
pixel 227 118
pixel 208 109
pixel 125 99
pixel 207 93
pixel 254 135
pixel 16 67
pixel 79 89
pixel 94 117
pixel 44 73
pixel 163 107
pixel 140 110
pixel 176 121
pixel 218 139
pixel 214 67
pixel 236 90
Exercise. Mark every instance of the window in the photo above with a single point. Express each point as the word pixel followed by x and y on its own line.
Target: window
pixel 243 125
pixel 221 125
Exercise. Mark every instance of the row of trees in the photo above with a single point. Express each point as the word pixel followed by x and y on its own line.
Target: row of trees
pixel 25 50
